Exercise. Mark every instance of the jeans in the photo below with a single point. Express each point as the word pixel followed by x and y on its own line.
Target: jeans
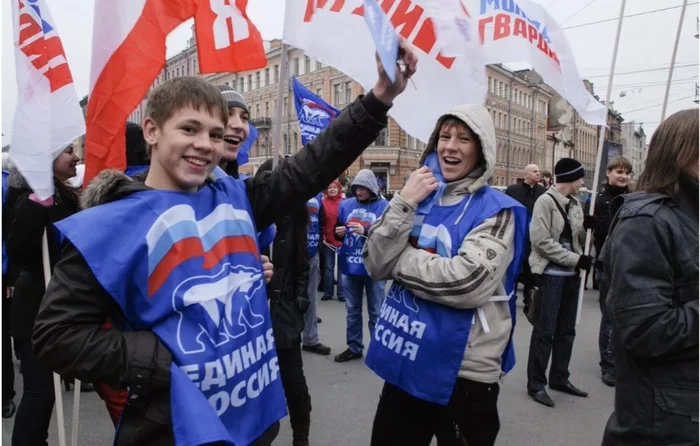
pixel 329 273
pixel 471 417
pixel 553 332
pixel 8 366
pixel 605 340
pixel 352 289
pixel 310 333
pixel 34 411
pixel 296 391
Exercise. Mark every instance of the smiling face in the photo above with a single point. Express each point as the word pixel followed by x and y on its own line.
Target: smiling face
pixel 458 150
pixel 619 176
pixel 333 190
pixel 237 131
pixel 185 149
pixel 64 167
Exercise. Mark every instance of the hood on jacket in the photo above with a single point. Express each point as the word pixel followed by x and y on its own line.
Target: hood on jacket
pixel 339 195
pixel 366 178
pixel 111 185
pixel 478 119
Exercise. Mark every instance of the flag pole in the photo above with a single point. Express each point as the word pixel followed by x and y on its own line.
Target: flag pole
pixel 599 158
pixel 60 420
pixel 673 60
pixel 280 106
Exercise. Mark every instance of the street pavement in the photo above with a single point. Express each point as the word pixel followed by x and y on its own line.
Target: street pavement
pixel 345 396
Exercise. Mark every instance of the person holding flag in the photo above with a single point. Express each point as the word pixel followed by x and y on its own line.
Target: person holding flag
pixel 192 336
pixel 453 246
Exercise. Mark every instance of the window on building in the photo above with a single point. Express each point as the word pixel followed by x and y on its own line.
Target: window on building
pixel 296 142
pixel 382 138
pixel 257 80
pixel 257 110
pixel 348 92
pixel 336 94
pixel 241 85
pixel 319 65
pixel 276 74
pixel 286 144
pixel 295 67
pixel 267 109
pixel 307 65
pixel 267 77
pixel 285 110
pixel 250 82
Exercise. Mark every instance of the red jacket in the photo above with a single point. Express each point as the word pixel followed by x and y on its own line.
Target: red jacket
pixel 330 211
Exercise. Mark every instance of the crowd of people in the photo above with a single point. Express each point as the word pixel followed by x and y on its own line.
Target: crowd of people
pixel 218 277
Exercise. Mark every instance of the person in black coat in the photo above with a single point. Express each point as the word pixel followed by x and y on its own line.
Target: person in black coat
pixel 527 193
pixel 288 294
pixel 650 261
pixel 25 218
pixel 618 175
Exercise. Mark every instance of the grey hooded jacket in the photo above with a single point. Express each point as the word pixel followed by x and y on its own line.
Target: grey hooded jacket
pixel 455 282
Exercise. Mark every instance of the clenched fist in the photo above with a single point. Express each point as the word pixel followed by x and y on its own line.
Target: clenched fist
pixel 420 184
pixel 268 269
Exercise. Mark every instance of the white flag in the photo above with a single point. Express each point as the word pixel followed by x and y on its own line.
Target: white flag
pixel 335 33
pixel 522 31
pixel 48 115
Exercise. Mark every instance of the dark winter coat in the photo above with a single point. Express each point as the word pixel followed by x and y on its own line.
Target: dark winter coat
pixel 68 334
pixel 651 263
pixel 287 290
pixel 24 222
pixel 603 214
pixel 525 194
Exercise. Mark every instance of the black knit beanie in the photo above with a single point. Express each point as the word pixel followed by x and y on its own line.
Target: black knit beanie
pixel 568 170
pixel 232 97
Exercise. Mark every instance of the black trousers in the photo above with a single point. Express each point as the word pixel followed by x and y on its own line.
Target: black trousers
pixel 8 366
pixel 296 391
pixel 470 418
pixel 34 411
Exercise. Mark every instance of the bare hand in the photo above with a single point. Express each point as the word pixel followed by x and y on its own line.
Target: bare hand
pixel 268 269
pixel 340 231
pixel 384 89
pixel 356 227
pixel 420 184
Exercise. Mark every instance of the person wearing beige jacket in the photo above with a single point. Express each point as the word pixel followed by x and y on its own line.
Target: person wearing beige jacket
pixel 557 233
pixel 453 247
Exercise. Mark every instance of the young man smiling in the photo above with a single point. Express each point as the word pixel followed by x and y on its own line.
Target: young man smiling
pixel 184 282
pixel 453 246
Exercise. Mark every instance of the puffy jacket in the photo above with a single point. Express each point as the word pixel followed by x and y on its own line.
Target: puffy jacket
pixel 68 335
pixel 651 263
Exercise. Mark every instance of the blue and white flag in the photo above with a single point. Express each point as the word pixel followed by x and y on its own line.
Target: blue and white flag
pixel 313 112
pixel 247 144
pixel 385 38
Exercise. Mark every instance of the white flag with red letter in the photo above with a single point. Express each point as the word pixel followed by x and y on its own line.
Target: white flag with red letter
pixel 128 52
pixel 523 31
pixel 48 114
pixel 335 33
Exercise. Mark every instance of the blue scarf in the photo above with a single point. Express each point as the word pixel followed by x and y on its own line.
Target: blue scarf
pixel 434 198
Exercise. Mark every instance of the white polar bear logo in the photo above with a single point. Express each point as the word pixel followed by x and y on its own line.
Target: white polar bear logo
pixel 226 303
pixel 314 115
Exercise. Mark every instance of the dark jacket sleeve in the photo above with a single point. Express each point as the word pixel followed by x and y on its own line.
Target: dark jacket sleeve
pixel 301 279
pixel 26 232
pixel 650 322
pixel 298 178
pixel 603 220
pixel 69 337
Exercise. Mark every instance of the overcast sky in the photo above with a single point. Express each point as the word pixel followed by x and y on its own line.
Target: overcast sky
pixel 646 44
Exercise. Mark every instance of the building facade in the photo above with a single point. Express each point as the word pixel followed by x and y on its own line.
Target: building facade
pixel 634 144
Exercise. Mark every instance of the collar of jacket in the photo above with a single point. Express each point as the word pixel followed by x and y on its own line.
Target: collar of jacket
pixel 562 199
pixel 616 190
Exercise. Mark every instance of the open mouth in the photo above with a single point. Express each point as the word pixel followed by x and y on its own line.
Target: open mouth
pixel 233 140
pixel 450 161
pixel 196 161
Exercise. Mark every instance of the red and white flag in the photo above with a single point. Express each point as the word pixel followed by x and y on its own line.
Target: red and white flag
pixel 48 115
pixel 128 52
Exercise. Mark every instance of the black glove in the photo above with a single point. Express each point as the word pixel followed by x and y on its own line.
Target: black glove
pixel 584 263
pixel 590 222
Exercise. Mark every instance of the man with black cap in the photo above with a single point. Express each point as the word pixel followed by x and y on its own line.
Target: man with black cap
pixel 557 233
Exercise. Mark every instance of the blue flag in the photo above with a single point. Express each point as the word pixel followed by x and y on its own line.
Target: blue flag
pixel 385 38
pixel 313 112
pixel 247 144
